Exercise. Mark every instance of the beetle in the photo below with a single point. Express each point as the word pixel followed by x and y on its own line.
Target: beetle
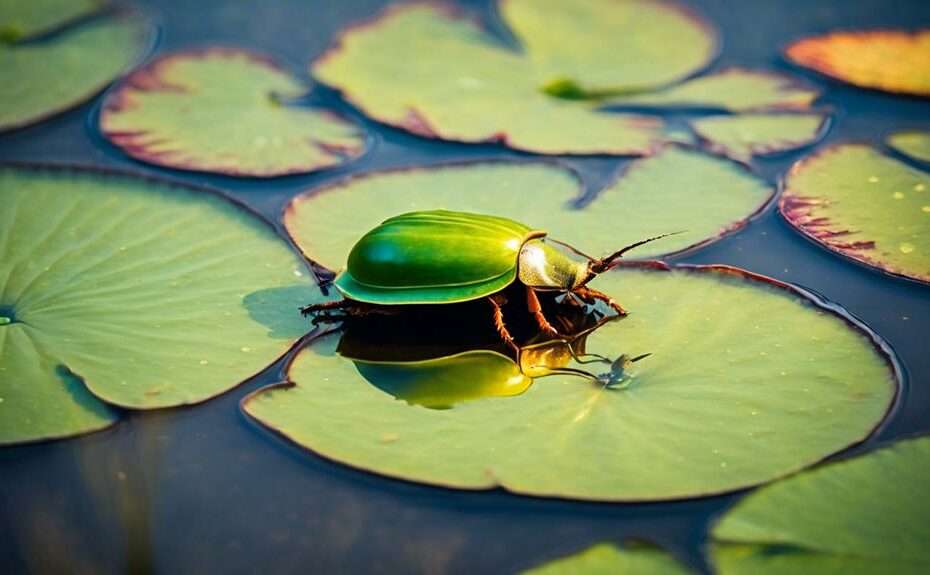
pixel 446 257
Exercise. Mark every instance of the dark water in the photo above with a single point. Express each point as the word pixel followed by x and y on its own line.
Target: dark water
pixel 203 490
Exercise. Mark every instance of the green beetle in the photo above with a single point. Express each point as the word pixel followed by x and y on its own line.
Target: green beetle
pixel 445 257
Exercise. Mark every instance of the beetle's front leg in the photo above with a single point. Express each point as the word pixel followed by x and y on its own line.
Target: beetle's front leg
pixel 532 302
pixel 496 301
pixel 585 292
pixel 324 307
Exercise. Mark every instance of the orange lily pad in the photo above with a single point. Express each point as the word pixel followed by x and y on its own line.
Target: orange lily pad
pixel 894 61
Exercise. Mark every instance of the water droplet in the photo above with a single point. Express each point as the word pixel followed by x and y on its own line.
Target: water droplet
pixel 204 362
pixel 754 412
pixel 723 464
pixel 246 349
pixel 873 179
pixel 919 188
pixel 906 247
pixel 925 209
pixel 298 273
pixel 1 400
pixel 898 196
pixel 5 320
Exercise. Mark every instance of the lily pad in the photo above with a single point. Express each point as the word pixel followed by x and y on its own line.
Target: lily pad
pixel 608 559
pixel 866 206
pixel 741 137
pixel 859 516
pixel 739 365
pixel 46 77
pixel 129 292
pixel 21 19
pixel 915 145
pixel 733 89
pixel 469 87
pixel 677 189
pixel 896 61
pixel 606 45
pixel 220 110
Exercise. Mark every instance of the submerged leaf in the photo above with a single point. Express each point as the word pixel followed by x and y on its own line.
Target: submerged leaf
pixel 913 144
pixel 675 190
pixel 43 78
pixel 738 365
pixel 734 90
pixel 468 87
pixel 607 559
pixel 20 19
pixel 859 516
pixel 220 110
pixel 741 137
pixel 891 60
pixel 129 292
pixel 866 206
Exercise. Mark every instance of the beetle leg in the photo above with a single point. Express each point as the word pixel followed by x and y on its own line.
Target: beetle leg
pixel 325 306
pixel 585 292
pixel 499 323
pixel 532 302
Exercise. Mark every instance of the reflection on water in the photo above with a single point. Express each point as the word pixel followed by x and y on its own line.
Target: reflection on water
pixel 405 358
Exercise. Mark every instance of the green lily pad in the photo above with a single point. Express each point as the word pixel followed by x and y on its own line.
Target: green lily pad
pixel 915 145
pixel 220 110
pixel 605 45
pixel 739 366
pixel 860 516
pixel 733 89
pixel 677 189
pixel 130 292
pixel 50 76
pixel 741 137
pixel 866 206
pixel 468 87
pixel 21 19
pixel 607 559
pixel 896 61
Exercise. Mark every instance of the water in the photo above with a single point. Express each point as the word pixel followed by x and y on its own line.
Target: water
pixel 201 489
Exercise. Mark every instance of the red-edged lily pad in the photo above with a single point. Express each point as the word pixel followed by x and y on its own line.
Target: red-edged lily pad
pixel 864 205
pixel 224 110
pixel 677 189
pixel 428 69
pixel 895 61
pixel 739 364
pixel 122 291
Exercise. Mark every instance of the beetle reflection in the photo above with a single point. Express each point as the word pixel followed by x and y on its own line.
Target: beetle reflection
pixel 439 373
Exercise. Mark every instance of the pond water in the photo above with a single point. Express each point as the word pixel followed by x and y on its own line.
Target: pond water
pixel 203 489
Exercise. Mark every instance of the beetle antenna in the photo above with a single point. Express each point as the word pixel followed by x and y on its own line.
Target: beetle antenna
pixel 604 264
pixel 573 249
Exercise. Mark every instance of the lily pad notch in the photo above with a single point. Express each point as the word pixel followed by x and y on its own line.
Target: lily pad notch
pixel 330 410
pixel 225 110
pixel 147 311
